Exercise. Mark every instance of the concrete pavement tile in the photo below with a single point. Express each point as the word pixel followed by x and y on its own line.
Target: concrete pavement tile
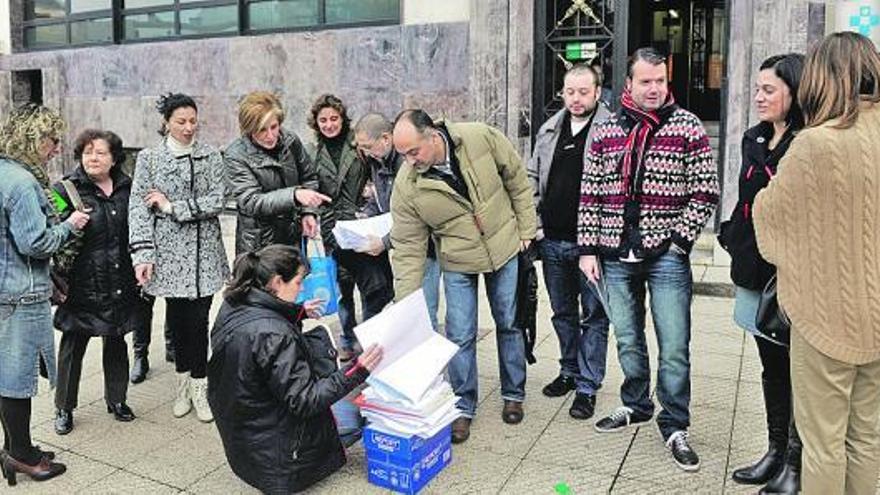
pixel 535 477
pixel 711 426
pixel 719 393
pixel 352 478
pixel 649 460
pixel 489 432
pixel 715 364
pixel 473 471
pixel 750 398
pixel 125 482
pixel 631 486
pixel 90 422
pixel 221 481
pixel 172 463
pixel 749 435
pixel 153 394
pixel 125 443
pixel 81 472
pixel 568 442
pixel 717 275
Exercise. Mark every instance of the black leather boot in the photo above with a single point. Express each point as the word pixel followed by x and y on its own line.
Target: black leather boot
pixel 778 418
pixel 141 365
pixel 788 479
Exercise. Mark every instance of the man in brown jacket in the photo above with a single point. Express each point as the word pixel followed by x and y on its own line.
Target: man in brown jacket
pixel 465 185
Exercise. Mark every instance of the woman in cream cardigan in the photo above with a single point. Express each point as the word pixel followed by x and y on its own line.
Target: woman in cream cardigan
pixel 818 221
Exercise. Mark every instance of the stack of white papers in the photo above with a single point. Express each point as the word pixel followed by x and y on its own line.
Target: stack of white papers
pixel 407 394
pixel 355 234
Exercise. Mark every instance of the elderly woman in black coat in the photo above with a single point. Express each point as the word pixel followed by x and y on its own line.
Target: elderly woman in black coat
pixel 269 391
pixel 103 299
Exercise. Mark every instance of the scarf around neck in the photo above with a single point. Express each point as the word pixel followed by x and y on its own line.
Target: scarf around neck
pixel 646 123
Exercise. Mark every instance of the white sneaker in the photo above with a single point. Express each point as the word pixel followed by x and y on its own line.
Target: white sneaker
pixel 183 402
pixel 198 390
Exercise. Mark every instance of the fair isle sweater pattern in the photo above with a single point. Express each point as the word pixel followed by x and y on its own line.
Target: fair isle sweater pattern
pixel 677 189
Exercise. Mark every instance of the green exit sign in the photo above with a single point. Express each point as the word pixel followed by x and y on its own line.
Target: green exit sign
pixel 581 51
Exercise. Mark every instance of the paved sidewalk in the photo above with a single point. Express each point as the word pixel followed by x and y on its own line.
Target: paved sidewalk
pixel 158 454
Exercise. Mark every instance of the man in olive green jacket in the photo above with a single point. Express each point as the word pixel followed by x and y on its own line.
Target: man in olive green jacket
pixel 465 185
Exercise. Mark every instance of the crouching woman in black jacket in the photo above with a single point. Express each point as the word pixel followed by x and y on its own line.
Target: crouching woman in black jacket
pixel 270 406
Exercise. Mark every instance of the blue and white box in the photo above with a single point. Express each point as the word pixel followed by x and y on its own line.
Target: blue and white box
pixel 405 464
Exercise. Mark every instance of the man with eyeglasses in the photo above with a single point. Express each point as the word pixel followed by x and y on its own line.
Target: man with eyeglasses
pixel 465 185
pixel 373 138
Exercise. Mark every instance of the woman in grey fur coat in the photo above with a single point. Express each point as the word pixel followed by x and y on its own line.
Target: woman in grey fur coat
pixel 175 241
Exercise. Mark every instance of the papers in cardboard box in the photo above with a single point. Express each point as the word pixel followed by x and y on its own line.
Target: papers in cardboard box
pixel 414 355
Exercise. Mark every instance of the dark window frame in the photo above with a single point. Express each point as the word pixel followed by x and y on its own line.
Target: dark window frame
pixel 117 14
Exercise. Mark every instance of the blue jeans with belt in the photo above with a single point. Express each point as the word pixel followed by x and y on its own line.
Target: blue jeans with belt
pixel 582 329
pixel 668 278
pixel 461 328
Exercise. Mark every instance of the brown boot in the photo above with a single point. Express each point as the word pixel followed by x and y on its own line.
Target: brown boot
pixel 461 429
pixel 512 412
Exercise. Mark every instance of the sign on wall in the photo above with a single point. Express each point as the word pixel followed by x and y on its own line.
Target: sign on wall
pixel 861 16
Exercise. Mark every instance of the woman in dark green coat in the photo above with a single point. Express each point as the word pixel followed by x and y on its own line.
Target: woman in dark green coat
pixel 343 176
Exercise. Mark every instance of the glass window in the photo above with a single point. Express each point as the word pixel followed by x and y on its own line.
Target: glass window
pixel 45 9
pixel 279 14
pixel 46 36
pixel 91 31
pixel 346 11
pixel 145 26
pixel 135 4
pixel 88 5
pixel 209 20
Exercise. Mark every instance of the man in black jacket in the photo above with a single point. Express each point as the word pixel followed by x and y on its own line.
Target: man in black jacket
pixel 373 134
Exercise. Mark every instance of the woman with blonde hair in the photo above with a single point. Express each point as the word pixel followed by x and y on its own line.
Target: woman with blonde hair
pixel 29 234
pixel 818 222
pixel 272 178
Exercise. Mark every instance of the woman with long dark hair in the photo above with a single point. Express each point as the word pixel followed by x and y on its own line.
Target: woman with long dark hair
pixel 175 241
pixel 271 404
pixel 29 235
pixel 763 146
pixel 818 222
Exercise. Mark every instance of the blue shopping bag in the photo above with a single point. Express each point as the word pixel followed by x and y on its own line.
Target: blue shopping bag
pixel 321 282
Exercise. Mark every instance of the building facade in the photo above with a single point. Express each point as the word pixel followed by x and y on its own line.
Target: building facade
pixel 104 62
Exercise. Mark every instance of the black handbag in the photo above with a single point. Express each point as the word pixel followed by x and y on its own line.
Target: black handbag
pixel 771 320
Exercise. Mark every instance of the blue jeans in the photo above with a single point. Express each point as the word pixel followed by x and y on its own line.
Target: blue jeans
pixel 582 332
pixel 461 328
pixel 431 288
pixel 669 280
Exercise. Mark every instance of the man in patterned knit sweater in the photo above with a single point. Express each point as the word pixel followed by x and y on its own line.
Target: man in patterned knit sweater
pixel 648 188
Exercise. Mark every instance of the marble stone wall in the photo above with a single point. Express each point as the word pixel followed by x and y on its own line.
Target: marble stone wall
pixel 380 69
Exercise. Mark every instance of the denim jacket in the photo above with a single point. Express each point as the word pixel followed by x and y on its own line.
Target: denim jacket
pixel 27 237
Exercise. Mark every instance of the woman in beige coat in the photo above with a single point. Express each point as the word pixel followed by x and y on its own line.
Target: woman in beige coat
pixel 819 222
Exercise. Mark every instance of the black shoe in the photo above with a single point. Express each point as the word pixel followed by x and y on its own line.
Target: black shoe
pixel 763 470
pixel 63 421
pixel 140 368
pixel 169 354
pixel 682 453
pixel 461 430
pixel 559 387
pixel 121 412
pixel 620 419
pixel 583 407
pixel 512 412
